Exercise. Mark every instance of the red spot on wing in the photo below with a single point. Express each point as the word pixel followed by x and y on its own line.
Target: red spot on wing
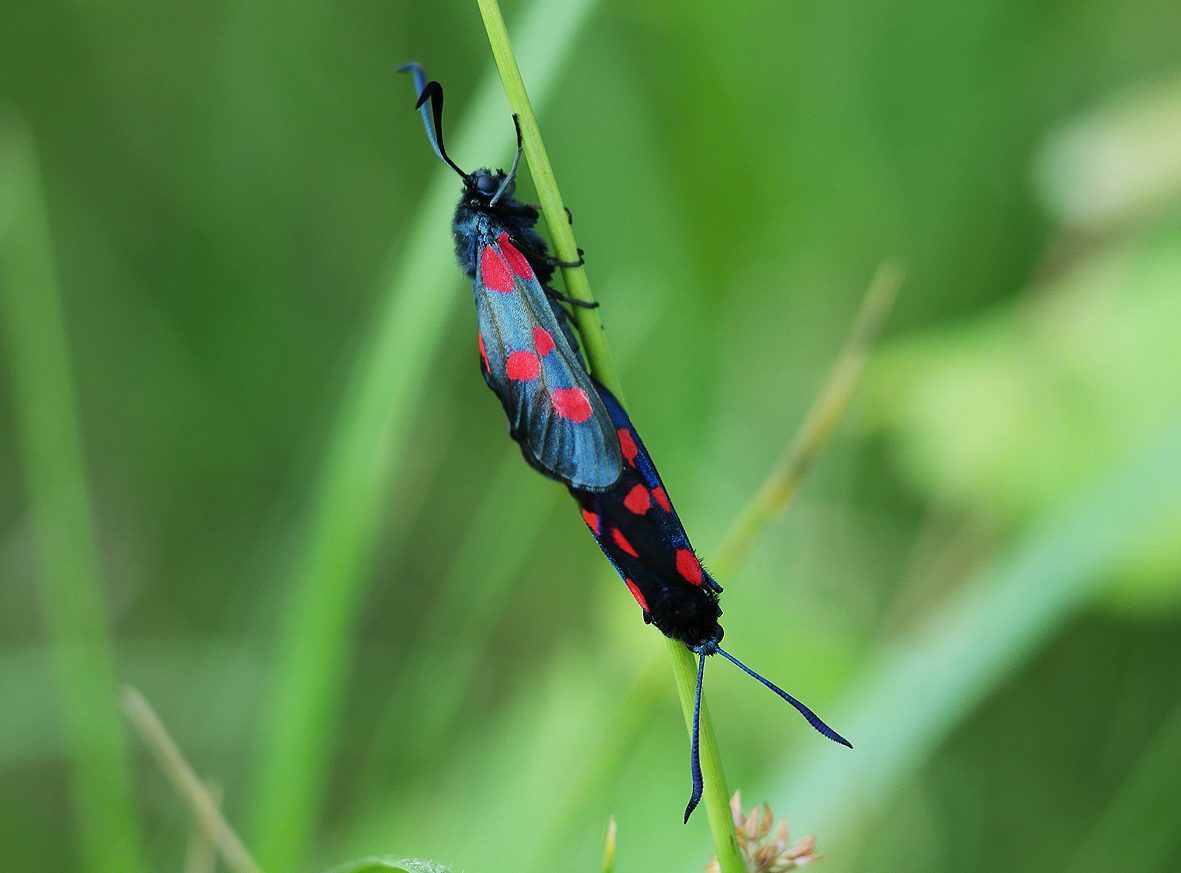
pixel 628 445
pixel 516 260
pixel 542 341
pixel 571 403
pixel 494 271
pixel 592 521
pixel 662 498
pixel 637 594
pixel 621 541
pixel 688 566
pixel 483 353
pixel 637 500
pixel 522 366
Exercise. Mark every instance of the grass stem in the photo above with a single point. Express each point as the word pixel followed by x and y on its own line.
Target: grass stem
pixel 781 486
pixel 204 806
pixel 716 796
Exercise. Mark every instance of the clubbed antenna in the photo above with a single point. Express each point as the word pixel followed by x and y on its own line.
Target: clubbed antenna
pixel 695 757
pixel 813 718
pixel 432 91
pixel 512 174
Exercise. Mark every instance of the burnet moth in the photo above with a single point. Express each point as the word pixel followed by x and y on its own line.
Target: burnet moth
pixel 630 515
pixel 526 357
pixel 638 529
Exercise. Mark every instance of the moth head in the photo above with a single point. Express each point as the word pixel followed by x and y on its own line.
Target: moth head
pixel 486 187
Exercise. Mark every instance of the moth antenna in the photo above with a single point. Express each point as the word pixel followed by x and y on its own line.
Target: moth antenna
pixel 432 91
pixel 695 757
pixel 813 718
pixel 512 174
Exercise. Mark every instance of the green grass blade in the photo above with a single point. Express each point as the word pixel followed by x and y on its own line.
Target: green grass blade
pixel 372 433
pixel 609 847
pixel 34 338
pixel 916 691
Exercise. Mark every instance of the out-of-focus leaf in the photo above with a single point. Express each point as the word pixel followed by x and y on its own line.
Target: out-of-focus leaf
pixel 1118 163
pixel 390 865
pixel 1011 414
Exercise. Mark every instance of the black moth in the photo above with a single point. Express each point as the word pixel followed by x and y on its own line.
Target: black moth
pixel 526 352
pixel 638 529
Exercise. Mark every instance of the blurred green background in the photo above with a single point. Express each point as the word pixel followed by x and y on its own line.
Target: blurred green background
pixel 248 466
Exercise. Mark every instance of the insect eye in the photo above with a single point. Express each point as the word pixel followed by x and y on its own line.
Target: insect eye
pixel 486 185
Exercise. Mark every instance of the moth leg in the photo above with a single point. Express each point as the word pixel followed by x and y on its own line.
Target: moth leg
pixel 537 208
pixel 558 295
pixel 541 256
pixel 555 262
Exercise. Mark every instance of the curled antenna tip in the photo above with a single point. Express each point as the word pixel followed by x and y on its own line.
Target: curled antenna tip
pixel 432 119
